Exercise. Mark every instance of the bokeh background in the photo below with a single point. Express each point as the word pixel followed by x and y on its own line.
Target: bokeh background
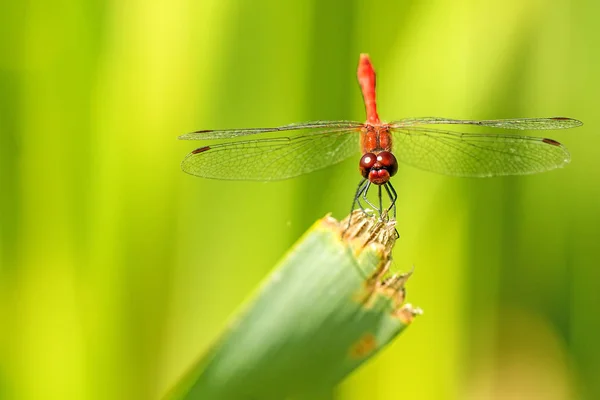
pixel 117 270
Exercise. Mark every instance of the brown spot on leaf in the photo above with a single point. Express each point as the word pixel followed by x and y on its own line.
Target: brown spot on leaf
pixel 407 313
pixel 365 346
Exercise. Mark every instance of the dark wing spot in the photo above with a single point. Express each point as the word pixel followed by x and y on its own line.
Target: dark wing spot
pixel 203 131
pixel 205 148
pixel 561 118
pixel 551 141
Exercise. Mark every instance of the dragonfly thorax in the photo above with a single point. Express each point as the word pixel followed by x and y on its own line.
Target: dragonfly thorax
pixel 378 168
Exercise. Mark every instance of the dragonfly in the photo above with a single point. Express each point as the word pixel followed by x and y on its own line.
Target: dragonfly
pixel 270 154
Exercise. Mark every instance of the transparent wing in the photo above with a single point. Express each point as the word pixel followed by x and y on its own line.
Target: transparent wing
pixel 274 158
pixel 476 155
pixel 519 123
pixel 233 133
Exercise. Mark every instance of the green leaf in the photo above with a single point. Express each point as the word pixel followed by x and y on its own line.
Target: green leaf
pixel 324 310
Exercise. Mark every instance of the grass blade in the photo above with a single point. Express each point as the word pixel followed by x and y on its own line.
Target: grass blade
pixel 323 311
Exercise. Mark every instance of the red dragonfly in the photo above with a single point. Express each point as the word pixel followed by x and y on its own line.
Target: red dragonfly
pixel 288 151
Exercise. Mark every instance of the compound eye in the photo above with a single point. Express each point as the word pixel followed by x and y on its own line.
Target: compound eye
pixel 366 163
pixel 388 161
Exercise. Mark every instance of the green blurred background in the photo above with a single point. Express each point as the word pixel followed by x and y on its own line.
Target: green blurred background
pixel 117 270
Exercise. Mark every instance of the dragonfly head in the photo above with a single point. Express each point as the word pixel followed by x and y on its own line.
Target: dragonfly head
pixel 378 168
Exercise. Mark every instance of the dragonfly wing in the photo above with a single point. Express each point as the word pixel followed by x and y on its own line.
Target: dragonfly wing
pixel 272 158
pixel 518 123
pixel 234 133
pixel 477 155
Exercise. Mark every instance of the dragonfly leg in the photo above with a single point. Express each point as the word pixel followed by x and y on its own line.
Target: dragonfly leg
pixel 393 197
pixel 380 201
pixel 365 198
pixel 359 190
